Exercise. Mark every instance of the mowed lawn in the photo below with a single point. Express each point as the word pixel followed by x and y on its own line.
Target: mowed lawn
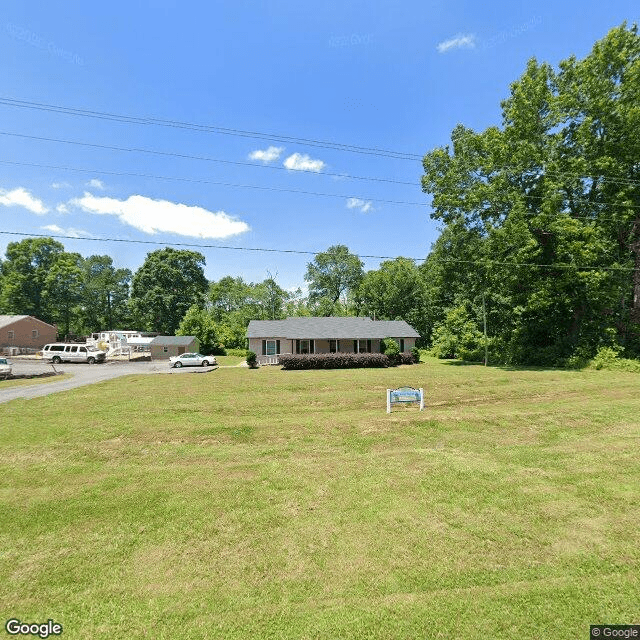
pixel 275 504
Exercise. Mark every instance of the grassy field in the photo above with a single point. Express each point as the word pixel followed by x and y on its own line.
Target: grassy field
pixel 273 504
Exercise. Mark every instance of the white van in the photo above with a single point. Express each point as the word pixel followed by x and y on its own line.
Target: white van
pixel 61 352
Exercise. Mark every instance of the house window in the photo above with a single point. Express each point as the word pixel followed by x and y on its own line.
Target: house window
pixel 11 335
pixel 401 345
pixel 270 347
pixel 34 333
pixel 362 346
pixel 305 346
pixel 165 349
pixel 334 346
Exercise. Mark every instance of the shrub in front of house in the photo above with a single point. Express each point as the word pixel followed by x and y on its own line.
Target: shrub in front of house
pixel 333 360
pixel 252 359
pixel 405 358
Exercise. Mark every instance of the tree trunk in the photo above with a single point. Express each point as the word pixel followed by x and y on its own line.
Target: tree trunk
pixel 635 248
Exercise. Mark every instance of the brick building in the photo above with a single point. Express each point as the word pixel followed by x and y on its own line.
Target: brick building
pixel 25 333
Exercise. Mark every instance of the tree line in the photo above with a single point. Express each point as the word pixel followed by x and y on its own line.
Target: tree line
pixel 538 260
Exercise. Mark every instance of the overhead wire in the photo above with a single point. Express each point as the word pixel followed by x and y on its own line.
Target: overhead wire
pixel 174 154
pixel 337 146
pixel 299 191
pixel 146 120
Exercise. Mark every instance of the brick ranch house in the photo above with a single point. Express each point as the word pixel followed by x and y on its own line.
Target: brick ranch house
pixel 270 338
pixel 25 333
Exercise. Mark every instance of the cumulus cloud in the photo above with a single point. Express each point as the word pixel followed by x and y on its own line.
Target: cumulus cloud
pixel 20 197
pixel 266 155
pixel 71 231
pixel 302 162
pixel 60 185
pixel 153 216
pixel 62 208
pixel 460 41
pixel 357 203
pixel 96 184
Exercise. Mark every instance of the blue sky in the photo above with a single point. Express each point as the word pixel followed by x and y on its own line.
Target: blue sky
pixel 385 75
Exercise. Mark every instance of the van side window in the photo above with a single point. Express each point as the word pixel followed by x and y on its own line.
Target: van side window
pixel 74 349
pixel 57 347
pixel 83 350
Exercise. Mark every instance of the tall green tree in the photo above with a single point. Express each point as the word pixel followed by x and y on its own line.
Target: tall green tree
pixel 24 271
pixel 395 291
pixel 333 276
pixel 62 293
pixel 168 283
pixel 105 295
pixel 556 187
pixel 200 323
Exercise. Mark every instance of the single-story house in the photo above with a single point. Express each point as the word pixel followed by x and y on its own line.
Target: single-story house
pixel 270 338
pixel 25 333
pixel 164 347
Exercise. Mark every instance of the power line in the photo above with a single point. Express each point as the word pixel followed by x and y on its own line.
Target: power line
pixel 215 182
pixel 301 191
pixel 14 102
pixel 174 154
pixel 315 253
pixel 145 120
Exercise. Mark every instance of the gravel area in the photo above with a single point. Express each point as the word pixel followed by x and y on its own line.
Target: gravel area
pixel 83 374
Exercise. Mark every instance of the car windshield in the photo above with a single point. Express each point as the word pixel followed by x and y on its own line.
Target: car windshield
pixel 3 361
pixel 89 348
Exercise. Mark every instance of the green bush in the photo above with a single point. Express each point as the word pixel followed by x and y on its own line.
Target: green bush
pixel 458 337
pixel 415 352
pixel 240 353
pixel 609 358
pixel 252 359
pixel 390 348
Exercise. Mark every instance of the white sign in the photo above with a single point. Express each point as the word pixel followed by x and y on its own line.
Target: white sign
pixel 404 394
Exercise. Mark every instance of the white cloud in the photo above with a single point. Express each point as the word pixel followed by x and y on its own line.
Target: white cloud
pixel 266 155
pixel 357 203
pixel 74 233
pixel 460 41
pixel 60 185
pixel 20 197
pixel 62 208
pixel 96 184
pixel 153 216
pixel 302 162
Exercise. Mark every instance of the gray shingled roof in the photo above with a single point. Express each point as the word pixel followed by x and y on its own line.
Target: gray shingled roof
pixel 179 341
pixel 330 328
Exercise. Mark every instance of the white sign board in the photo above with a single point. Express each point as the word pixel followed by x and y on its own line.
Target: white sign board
pixel 404 394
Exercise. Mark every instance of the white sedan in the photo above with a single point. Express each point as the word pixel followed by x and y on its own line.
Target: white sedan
pixel 192 360
pixel 5 368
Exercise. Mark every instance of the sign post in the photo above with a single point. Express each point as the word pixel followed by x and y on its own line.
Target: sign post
pixel 404 394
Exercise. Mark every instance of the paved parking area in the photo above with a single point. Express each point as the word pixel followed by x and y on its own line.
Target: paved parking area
pixel 83 374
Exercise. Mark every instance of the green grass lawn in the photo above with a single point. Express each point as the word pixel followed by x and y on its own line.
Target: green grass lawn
pixel 229 361
pixel 273 504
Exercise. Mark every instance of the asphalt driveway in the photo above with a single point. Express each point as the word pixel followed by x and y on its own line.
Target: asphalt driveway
pixel 83 374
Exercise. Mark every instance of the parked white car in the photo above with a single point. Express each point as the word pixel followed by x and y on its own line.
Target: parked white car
pixel 191 360
pixel 5 368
